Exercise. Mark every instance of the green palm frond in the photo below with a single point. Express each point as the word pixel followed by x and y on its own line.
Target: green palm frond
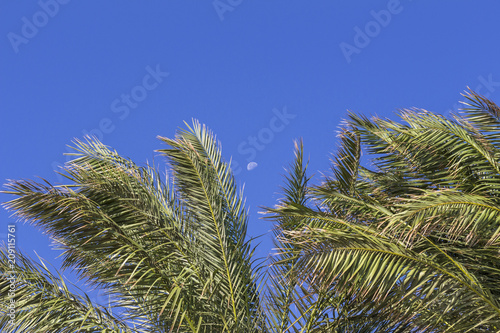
pixel 347 161
pixel 287 304
pixel 207 187
pixel 113 228
pixel 413 244
pixel 482 114
pixel 410 243
pixel 44 303
pixel 173 257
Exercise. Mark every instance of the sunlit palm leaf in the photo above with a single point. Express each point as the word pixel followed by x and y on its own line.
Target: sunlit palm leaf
pixel 172 258
pixel 412 245
pixel 44 303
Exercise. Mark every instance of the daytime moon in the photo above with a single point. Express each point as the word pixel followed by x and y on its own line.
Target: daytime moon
pixel 251 166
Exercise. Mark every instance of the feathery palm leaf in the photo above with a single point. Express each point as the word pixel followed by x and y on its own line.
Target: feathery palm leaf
pixel 44 303
pixel 413 244
pixel 172 258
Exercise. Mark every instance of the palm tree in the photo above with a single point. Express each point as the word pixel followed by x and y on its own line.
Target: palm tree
pixel 173 255
pixel 410 243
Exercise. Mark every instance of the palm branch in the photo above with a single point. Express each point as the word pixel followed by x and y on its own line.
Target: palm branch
pixel 173 254
pixel 410 244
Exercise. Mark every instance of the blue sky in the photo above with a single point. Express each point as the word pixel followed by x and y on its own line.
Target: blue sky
pixel 258 73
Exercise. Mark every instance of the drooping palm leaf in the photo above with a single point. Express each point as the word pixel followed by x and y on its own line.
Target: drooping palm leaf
pixel 172 258
pixel 411 245
pixel 42 301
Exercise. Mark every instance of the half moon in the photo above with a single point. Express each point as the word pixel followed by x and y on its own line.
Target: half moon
pixel 251 166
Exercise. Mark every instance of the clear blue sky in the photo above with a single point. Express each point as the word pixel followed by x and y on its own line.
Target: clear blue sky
pixel 259 73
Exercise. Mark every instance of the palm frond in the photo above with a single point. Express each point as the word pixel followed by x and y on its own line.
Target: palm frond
pixel 206 185
pixel 411 245
pixel 173 257
pixel 42 301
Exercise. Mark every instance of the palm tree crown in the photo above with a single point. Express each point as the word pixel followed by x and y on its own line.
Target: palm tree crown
pixel 174 257
pixel 410 243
